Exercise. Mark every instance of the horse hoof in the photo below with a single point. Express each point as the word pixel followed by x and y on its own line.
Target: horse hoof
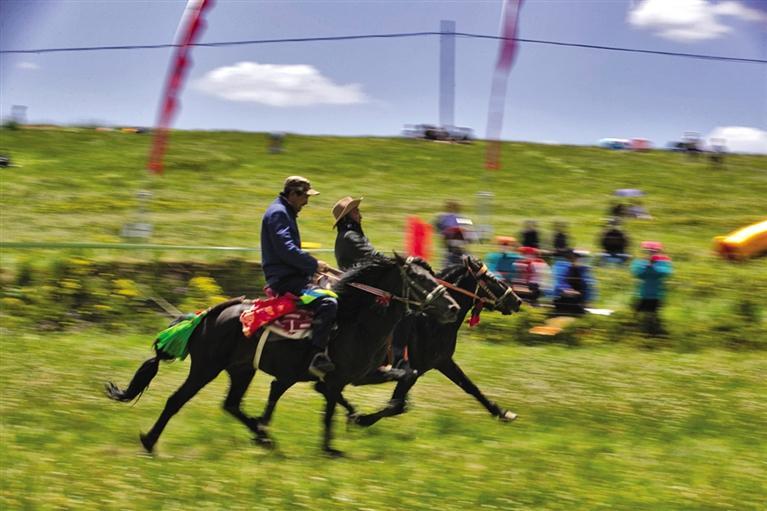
pixel 265 442
pixel 351 419
pixel 145 441
pixel 333 453
pixel 112 391
pixel 507 416
pixel 363 421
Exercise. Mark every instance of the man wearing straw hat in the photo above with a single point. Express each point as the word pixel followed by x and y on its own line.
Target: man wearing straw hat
pixel 352 246
pixel 289 269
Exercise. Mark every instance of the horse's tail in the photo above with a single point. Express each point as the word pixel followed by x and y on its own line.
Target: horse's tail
pixel 140 381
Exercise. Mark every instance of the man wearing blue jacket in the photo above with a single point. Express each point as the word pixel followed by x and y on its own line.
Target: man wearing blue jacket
pixel 289 269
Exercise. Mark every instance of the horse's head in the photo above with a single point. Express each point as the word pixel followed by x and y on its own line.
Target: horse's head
pixel 496 294
pixel 426 294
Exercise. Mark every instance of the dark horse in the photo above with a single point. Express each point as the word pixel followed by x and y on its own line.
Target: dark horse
pixel 364 321
pixel 431 345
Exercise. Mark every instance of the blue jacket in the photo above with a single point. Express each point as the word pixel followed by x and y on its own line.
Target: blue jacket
pixel 651 278
pixel 502 264
pixel 561 270
pixel 286 267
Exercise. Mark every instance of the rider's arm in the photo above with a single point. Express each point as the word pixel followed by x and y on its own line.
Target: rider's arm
pixel 362 248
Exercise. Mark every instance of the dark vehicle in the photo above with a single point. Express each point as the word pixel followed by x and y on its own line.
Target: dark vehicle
pixel 441 133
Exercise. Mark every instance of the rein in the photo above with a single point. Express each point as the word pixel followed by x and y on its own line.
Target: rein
pixel 385 297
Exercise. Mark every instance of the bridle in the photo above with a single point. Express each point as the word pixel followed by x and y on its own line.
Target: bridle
pixel 479 301
pixel 427 297
pixel 423 298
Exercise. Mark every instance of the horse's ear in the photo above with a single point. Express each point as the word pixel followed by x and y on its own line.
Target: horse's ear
pixel 400 260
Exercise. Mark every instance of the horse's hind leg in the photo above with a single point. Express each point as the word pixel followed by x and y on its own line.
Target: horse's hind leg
pixel 241 377
pixel 276 391
pixel 457 376
pixel 196 380
pixel 351 412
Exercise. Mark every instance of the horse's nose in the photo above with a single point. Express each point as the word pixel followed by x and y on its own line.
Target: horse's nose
pixel 452 312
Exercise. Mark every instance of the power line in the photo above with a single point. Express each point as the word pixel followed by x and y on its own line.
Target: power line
pixel 388 36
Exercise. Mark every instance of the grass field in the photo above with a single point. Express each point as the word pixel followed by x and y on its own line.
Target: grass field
pixel 606 424
pixel 599 428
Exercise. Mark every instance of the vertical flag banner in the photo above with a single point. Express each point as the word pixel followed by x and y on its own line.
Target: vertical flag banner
pixel 191 26
pixel 507 50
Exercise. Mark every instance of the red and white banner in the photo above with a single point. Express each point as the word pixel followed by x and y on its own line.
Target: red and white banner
pixel 191 26
pixel 507 50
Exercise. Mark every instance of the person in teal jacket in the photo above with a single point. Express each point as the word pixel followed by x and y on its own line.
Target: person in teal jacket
pixel 502 262
pixel 652 272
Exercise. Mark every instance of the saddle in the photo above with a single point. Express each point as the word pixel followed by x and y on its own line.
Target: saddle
pixel 278 314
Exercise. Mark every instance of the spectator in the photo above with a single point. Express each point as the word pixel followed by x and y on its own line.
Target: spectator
pixel 560 242
pixel 455 245
pixel 502 263
pixel 617 210
pixel 456 231
pixel 574 284
pixel 532 275
pixel 449 218
pixel 614 243
pixel 529 235
pixel 652 271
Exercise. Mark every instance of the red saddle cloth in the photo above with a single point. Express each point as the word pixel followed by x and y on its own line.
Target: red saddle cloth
pixel 281 311
pixel 265 310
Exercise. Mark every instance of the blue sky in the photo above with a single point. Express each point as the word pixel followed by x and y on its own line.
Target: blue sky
pixel 374 87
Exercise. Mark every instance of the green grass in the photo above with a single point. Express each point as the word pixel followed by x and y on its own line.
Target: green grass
pixel 603 426
pixel 81 186
pixel 599 428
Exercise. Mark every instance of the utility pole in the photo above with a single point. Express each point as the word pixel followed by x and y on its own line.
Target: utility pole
pixel 447 73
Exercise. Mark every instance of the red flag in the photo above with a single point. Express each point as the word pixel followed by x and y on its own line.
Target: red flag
pixel 507 50
pixel 191 26
pixel 418 238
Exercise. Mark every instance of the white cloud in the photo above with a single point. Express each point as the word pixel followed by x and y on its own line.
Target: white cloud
pixel 741 139
pixel 29 66
pixel 278 85
pixel 690 20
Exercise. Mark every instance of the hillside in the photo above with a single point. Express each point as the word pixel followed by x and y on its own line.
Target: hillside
pixel 78 185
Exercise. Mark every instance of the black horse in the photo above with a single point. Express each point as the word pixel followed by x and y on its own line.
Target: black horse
pixel 431 345
pixel 364 321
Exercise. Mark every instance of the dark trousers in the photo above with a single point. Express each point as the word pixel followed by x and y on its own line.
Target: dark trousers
pixel 569 305
pixel 647 305
pixel 647 314
pixel 324 309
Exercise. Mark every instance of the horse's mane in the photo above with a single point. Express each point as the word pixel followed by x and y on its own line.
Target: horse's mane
pixel 363 272
pixel 452 273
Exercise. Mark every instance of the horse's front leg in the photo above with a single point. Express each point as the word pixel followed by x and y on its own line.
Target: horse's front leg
pixel 457 376
pixel 396 404
pixel 276 391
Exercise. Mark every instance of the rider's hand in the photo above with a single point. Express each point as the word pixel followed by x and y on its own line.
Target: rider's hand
pixel 322 266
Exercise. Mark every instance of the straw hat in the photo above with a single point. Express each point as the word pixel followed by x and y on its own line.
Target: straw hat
pixel 343 207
